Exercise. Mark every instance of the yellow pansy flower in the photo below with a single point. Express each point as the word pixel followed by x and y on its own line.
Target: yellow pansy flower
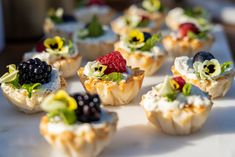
pixel 136 37
pixel 55 44
pixel 174 84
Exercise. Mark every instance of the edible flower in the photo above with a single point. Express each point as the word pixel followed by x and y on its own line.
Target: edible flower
pixel 135 38
pixel 56 45
pixel 56 15
pixel 151 5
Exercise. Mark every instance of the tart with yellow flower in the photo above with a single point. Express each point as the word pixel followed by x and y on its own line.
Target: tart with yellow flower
pixel 58 23
pixel 188 40
pixel 110 78
pixel 205 72
pixel 94 39
pixel 123 24
pixel 152 9
pixel 140 50
pixel 176 107
pixel 87 9
pixel 195 15
pixel 60 53
pixel 76 125
pixel 27 84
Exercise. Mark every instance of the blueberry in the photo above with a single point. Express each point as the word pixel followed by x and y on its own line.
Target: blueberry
pixel 147 36
pixel 202 56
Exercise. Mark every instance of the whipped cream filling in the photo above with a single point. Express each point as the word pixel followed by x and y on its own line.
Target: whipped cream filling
pixel 184 65
pixel 153 101
pixel 109 37
pixel 58 126
pixel 68 27
pixel 91 10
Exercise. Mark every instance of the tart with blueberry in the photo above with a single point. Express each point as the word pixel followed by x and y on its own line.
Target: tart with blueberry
pixel 62 54
pixel 76 125
pixel 87 9
pixel 188 40
pixel 152 9
pixel 94 39
pixel 110 78
pixel 196 15
pixel 176 107
pixel 27 84
pixel 123 24
pixel 205 72
pixel 141 49
pixel 58 23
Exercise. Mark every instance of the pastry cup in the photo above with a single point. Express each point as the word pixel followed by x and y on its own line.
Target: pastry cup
pixel 150 64
pixel 215 89
pixel 179 122
pixel 20 100
pixel 186 47
pixel 87 142
pixel 113 93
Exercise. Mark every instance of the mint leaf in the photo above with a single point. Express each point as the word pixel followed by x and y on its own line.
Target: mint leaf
pixel 186 89
pixel 195 12
pixel 171 97
pixel 114 76
pixel 95 28
pixel 31 87
pixel 151 42
pixel 201 35
pixel 225 66
pixel 143 23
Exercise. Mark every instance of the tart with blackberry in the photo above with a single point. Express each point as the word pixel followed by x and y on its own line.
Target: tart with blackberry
pixel 153 9
pixel 76 125
pixel 87 9
pixel 58 23
pixel 141 49
pixel 195 15
pixel 176 107
pixel 94 39
pixel 188 40
pixel 110 78
pixel 205 72
pixel 123 24
pixel 62 54
pixel 27 84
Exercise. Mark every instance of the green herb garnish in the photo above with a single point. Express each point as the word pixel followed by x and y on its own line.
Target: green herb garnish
pixel 171 97
pixel 186 89
pixel 114 76
pixel 201 35
pixel 67 116
pixel 151 42
pixel 225 66
pixel 195 12
pixel 31 87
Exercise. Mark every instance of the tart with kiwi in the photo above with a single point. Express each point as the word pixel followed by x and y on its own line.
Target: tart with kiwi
pixel 205 72
pixel 153 9
pixel 123 24
pixel 76 125
pixel 176 107
pixel 27 84
pixel 87 9
pixel 110 78
pixel 142 49
pixel 58 23
pixel 94 39
pixel 62 54
pixel 188 40
pixel 196 15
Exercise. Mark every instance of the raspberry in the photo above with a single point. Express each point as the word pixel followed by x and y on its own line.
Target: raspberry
pixel 40 46
pixel 188 27
pixel 181 82
pixel 114 62
pixel 96 2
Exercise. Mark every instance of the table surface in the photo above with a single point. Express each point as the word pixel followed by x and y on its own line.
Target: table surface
pixel 19 134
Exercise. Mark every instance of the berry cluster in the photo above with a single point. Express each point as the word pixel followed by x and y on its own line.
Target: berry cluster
pixel 34 71
pixel 88 109
pixel 114 62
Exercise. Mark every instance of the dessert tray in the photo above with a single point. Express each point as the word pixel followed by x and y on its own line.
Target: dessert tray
pixel 19 132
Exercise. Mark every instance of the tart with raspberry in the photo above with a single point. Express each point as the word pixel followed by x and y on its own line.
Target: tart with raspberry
pixel 141 49
pixel 27 84
pixel 205 72
pixel 87 9
pixel 123 24
pixel 195 15
pixel 58 23
pixel 62 54
pixel 76 125
pixel 94 39
pixel 188 40
pixel 110 78
pixel 153 9
pixel 176 107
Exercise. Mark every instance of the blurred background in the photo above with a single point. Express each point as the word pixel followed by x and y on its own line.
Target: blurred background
pixel 21 21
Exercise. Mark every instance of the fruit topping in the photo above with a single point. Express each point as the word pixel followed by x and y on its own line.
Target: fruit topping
pixel 40 47
pixel 68 18
pixel 186 28
pixel 34 71
pixel 11 75
pixel 147 36
pixel 96 2
pixel 114 62
pixel 177 83
pixel 202 56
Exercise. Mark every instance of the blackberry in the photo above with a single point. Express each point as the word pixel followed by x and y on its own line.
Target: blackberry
pixel 88 109
pixel 147 36
pixel 34 71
